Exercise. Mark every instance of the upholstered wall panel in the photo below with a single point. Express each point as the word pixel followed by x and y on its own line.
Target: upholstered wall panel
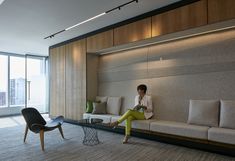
pixel 201 67
pixel 171 95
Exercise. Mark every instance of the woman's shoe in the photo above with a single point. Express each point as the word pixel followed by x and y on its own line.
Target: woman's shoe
pixel 125 140
pixel 114 124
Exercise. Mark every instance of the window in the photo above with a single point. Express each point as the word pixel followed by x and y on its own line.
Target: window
pixel 17 81
pixel 36 83
pixel 23 83
pixel 3 81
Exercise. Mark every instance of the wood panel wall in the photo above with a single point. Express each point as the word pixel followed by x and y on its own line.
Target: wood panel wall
pixel 182 18
pixel 68 80
pixel 220 10
pixel 133 32
pixel 75 79
pixel 92 76
pixel 57 81
pixel 100 41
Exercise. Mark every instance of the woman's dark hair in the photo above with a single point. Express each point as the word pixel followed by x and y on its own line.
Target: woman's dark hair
pixel 142 87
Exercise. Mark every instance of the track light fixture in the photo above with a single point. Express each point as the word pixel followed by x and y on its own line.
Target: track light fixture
pixel 92 18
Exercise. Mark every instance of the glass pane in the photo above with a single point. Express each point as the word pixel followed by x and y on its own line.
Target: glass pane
pixel 3 80
pixel 17 81
pixel 36 84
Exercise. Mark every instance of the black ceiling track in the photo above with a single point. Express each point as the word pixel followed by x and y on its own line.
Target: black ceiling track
pixel 134 19
pixel 111 10
pixel 119 7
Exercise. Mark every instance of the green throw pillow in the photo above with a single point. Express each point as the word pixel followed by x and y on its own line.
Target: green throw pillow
pixel 89 107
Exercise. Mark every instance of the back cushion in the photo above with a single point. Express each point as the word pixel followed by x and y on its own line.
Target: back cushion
pixel 99 108
pixel 227 114
pixel 101 98
pixel 204 112
pixel 114 105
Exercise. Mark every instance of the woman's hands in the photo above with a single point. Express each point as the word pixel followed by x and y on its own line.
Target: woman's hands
pixel 138 107
pixel 144 107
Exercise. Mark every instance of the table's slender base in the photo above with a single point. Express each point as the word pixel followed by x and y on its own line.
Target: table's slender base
pixel 90 136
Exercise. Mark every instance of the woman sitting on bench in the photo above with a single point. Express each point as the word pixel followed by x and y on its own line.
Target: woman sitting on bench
pixel 141 111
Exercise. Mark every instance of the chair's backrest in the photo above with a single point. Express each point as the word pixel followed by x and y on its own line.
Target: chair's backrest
pixel 32 116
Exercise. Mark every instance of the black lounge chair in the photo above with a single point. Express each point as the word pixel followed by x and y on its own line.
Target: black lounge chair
pixel 36 123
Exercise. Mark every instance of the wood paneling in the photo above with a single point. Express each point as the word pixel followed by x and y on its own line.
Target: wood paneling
pixel 57 81
pixel 219 10
pixel 68 80
pixel 182 18
pixel 75 79
pixel 100 41
pixel 133 32
pixel 92 76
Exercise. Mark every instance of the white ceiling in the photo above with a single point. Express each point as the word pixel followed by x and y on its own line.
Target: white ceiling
pixel 25 23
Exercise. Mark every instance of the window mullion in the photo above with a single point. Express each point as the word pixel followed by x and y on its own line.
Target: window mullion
pixel 8 82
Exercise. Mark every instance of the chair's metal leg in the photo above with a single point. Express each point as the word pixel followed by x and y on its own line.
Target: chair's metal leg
pixel 42 139
pixel 61 131
pixel 26 132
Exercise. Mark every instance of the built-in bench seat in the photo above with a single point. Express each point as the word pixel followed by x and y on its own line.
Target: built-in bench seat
pixel 180 129
pixel 168 127
pixel 221 135
pixel 209 121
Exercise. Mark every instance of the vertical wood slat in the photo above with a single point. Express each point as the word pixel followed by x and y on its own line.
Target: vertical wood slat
pixel 189 16
pixel 57 81
pixel 220 10
pixel 75 79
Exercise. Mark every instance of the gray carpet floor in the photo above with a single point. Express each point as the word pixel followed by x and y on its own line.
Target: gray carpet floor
pixel 12 147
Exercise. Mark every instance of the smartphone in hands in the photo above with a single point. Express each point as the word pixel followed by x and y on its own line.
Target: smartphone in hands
pixel 138 107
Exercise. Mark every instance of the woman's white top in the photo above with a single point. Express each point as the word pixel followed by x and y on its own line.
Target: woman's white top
pixel 145 101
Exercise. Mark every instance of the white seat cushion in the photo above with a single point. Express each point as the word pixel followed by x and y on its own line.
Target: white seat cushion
pixel 141 124
pixel 86 115
pixel 113 105
pixel 204 112
pixel 227 114
pixel 179 128
pixel 136 124
pixel 105 117
pixel 221 135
